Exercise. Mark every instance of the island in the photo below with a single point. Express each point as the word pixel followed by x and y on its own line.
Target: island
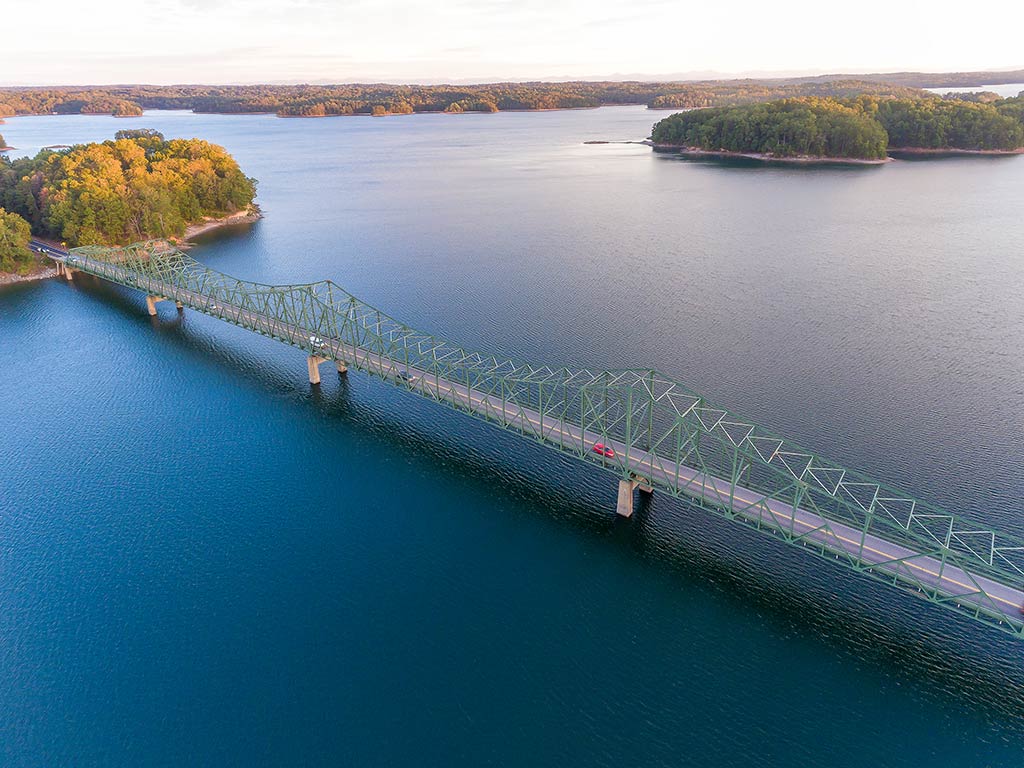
pixel 864 129
pixel 138 186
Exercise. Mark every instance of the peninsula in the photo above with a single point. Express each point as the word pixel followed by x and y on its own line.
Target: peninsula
pixel 138 186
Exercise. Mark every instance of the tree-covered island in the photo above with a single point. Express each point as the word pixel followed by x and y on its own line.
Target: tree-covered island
pixel 136 187
pixel 862 129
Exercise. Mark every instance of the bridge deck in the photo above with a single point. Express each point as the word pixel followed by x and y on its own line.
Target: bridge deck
pixel 882 558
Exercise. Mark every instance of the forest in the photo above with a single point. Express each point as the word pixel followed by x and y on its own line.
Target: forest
pixel 791 127
pixel 382 99
pixel 953 123
pixel 862 128
pixel 14 236
pixel 135 187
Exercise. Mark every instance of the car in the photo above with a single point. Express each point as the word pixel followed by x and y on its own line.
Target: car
pixel 316 341
pixel 405 376
pixel 603 450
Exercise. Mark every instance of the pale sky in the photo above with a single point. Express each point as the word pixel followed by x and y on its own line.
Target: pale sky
pixel 247 41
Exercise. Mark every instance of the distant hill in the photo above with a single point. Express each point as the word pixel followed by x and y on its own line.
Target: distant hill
pixel 926 79
pixel 387 99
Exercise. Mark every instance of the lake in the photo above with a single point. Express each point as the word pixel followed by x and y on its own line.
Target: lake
pixel 1006 90
pixel 206 561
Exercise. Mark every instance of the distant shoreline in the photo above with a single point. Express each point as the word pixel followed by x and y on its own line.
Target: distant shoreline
pixel 952 151
pixel 766 158
pixel 808 159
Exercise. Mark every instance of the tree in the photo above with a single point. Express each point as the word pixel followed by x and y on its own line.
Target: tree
pixel 15 234
pixel 137 187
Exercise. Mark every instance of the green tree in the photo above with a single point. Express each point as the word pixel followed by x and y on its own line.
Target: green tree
pixel 15 234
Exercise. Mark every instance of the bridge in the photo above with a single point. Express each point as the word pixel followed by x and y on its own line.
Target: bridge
pixel 650 432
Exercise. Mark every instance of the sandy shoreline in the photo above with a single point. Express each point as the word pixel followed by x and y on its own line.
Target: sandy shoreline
pixel 249 215
pixel 798 159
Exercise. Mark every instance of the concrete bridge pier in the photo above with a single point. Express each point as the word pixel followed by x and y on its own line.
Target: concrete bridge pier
pixel 624 507
pixel 64 269
pixel 152 299
pixel 313 364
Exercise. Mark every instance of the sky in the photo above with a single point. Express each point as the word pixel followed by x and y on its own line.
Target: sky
pixel 71 42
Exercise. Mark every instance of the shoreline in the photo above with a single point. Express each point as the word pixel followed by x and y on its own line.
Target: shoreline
pixel 41 272
pixel 765 158
pixel 953 151
pixel 248 216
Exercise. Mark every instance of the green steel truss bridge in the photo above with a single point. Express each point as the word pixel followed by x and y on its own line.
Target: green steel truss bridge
pixel 649 431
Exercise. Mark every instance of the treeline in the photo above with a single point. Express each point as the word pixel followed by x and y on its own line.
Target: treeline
pixel 953 124
pixel 382 99
pixel 721 94
pixel 136 187
pixel 863 128
pixel 791 127
pixel 937 79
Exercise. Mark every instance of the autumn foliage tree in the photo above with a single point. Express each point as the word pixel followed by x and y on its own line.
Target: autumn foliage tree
pixel 136 187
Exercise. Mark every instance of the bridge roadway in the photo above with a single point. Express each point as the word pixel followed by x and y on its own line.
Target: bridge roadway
pixel 874 553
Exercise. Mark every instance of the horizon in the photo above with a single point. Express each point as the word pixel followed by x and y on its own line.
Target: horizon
pixel 462 42
pixel 675 77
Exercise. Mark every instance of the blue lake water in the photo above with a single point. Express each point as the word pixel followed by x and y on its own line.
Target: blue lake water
pixel 203 561
pixel 1006 90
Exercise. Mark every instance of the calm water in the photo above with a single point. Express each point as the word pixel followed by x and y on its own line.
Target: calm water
pixel 204 562
pixel 1006 90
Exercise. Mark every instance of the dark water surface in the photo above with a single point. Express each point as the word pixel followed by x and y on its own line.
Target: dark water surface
pixel 205 562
